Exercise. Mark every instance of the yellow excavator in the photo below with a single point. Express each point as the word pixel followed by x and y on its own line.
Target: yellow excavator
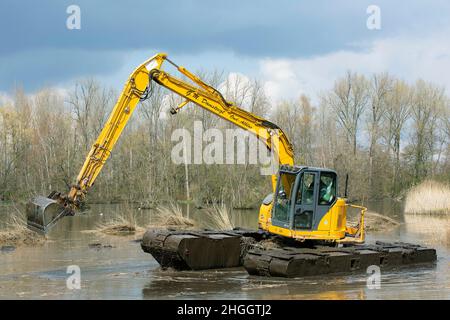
pixel 303 206
pixel 304 203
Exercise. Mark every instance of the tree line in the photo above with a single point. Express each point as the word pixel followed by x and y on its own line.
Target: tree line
pixel 386 134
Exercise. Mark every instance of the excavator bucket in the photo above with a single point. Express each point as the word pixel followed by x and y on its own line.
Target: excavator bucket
pixel 43 213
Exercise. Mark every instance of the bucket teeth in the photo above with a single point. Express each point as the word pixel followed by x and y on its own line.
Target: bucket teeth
pixel 43 213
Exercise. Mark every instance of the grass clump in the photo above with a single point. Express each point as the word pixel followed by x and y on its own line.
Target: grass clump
pixel 171 215
pixel 16 233
pixel 126 223
pixel 219 218
pixel 429 197
pixel 123 224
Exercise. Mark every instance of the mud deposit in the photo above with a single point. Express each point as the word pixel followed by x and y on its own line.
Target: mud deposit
pixel 116 268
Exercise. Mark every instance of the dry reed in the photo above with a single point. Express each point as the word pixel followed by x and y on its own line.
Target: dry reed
pixel 219 218
pixel 16 233
pixel 429 197
pixel 171 215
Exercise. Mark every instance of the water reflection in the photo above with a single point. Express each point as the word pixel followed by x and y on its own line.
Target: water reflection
pixel 433 229
pixel 124 271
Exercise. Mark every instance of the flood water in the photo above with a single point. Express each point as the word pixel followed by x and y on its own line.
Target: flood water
pixel 121 270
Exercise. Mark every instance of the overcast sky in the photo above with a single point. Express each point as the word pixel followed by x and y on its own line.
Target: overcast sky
pixel 292 46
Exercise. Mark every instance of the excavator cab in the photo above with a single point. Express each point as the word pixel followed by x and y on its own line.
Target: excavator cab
pixel 304 195
pixel 305 206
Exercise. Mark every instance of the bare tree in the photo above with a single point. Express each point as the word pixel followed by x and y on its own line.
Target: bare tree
pixel 44 141
pixel 380 87
pixel 90 105
pixel 349 99
pixel 398 107
pixel 428 104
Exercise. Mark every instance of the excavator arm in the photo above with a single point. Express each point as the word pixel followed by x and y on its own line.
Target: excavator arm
pixel 212 100
pixel 135 90
pixel 43 213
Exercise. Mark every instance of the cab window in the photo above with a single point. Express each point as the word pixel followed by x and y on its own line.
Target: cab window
pixel 283 197
pixel 305 194
pixel 327 188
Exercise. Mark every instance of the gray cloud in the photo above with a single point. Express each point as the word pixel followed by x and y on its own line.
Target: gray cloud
pixel 250 27
pixel 45 67
pixel 34 33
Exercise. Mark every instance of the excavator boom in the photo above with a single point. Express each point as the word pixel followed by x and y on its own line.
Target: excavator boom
pixel 43 213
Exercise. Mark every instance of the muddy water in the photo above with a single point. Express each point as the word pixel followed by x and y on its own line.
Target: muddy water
pixel 120 270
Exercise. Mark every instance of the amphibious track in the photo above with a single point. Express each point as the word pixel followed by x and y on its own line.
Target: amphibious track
pixel 199 250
